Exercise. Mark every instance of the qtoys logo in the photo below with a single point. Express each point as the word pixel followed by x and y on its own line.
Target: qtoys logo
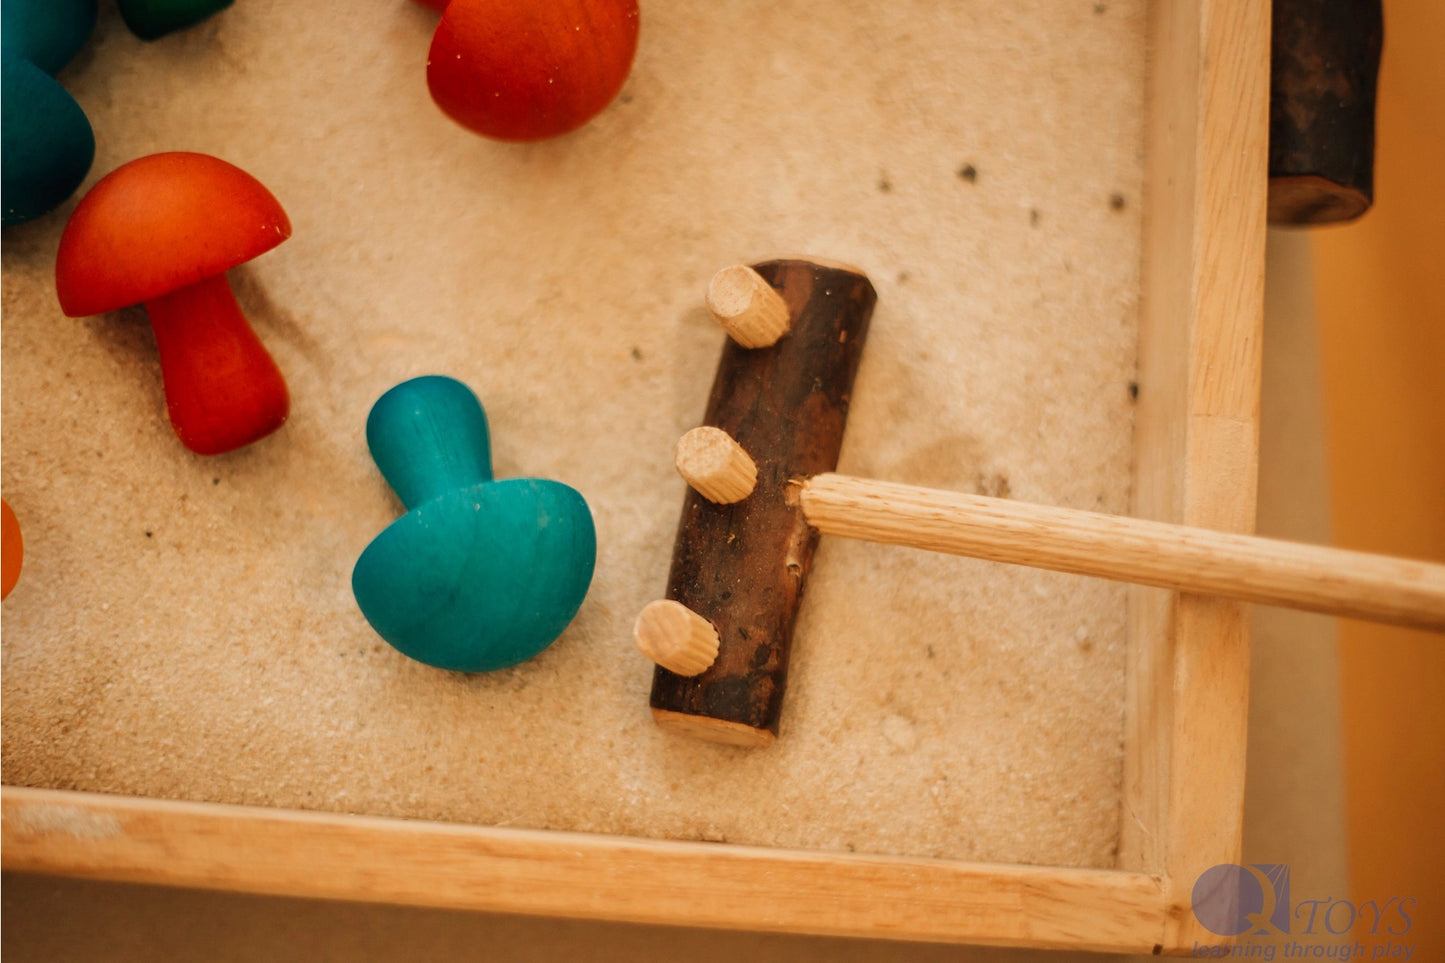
pixel 1252 904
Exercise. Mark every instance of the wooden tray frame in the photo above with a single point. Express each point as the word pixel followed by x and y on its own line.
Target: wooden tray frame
pixel 1195 457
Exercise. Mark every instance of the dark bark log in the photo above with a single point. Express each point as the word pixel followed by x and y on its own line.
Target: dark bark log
pixel 743 566
pixel 1325 57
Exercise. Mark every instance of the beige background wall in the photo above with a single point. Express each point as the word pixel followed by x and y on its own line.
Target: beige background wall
pixel 1382 338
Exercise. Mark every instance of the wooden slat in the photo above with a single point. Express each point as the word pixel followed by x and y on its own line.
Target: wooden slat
pixel 1196 433
pixel 571 874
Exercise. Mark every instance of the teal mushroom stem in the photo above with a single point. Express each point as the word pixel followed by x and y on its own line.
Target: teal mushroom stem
pixel 479 574
pixel 429 437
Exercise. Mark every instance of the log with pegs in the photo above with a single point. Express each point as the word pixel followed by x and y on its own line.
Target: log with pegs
pixel 742 557
pixel 743 551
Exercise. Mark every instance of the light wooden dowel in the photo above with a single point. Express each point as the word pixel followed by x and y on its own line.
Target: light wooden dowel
pixel 747 307
pixel 675 637
pixel 714 464
pixel 1198 560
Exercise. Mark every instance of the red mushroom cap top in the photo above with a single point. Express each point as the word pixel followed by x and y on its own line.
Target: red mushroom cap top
pixel 523 70
pixel 160 223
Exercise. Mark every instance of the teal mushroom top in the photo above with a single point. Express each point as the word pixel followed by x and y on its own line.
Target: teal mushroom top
pixel 46 144
pixel 479 574
pixel 46 32
pixel 153 19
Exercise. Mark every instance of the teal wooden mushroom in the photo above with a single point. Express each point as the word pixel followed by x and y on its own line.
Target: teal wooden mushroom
pixel 48 33
pixel 153 19
pixel 46 144
pixel 478 574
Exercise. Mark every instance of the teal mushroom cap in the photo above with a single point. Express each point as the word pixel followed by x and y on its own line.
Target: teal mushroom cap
pixel 46 144
pixel 479 574
pixel 153 19
pixel 48 33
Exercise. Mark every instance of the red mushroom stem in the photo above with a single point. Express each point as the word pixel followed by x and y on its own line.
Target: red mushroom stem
pixel 223 390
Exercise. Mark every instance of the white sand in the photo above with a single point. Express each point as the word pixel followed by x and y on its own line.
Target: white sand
pixel 184 627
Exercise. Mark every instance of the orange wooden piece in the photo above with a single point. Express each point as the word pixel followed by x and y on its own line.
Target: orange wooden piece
pixel 12 546
pixel 163 230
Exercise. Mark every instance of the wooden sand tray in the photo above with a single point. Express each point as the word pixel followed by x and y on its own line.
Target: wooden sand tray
pixel 1032 759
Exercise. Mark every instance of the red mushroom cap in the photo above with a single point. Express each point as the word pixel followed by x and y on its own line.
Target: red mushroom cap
pixel 160 223
pixel 525 70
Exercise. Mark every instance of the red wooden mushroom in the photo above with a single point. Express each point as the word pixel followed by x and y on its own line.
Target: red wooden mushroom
pixel 526 70
pixel 163 230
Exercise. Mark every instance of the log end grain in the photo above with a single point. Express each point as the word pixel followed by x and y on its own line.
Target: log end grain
pixel 712 730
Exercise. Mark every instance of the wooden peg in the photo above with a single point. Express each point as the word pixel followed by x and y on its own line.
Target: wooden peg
pixel 743 566
pixel 675 637
pixel 713 463
pixel 747 307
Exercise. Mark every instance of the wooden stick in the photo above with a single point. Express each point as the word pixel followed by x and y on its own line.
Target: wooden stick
pixel 1197 560
pixel 743 566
